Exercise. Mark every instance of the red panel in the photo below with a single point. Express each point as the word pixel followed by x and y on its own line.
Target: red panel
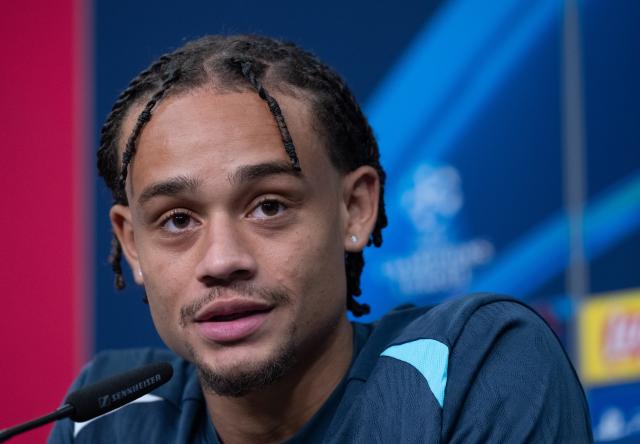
pixel 43 279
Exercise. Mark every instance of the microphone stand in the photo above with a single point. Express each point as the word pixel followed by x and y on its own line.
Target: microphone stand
pixel 62 412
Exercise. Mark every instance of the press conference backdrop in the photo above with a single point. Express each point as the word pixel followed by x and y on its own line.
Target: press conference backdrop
pixel 508 132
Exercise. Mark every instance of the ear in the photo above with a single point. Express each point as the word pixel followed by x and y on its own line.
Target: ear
pixel 361 191
pixel 121 223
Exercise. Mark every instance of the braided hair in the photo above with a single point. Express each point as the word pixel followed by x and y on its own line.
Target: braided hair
pixel 247 63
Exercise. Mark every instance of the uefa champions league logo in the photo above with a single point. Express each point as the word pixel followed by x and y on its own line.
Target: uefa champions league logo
pixel 441 263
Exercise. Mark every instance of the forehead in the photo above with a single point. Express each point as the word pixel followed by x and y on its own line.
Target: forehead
pixel 208 132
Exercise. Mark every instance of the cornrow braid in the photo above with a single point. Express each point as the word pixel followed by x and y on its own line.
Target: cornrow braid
pixel 274 107
pixel 354 264
pixel 115 258
pixel 143 118
pixel 248 63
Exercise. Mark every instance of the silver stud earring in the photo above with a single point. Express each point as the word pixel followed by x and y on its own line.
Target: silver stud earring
pixel 354 238
pixel 140 273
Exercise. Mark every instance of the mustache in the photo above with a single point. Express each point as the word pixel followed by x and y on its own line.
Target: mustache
pixel 272 296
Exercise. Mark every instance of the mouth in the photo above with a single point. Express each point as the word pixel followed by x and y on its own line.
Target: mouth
pixel 235 316
pixel 231 321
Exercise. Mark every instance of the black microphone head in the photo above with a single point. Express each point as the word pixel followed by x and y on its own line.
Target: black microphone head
pixel 111 393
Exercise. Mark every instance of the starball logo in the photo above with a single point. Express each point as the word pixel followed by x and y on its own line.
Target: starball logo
pixel 106 400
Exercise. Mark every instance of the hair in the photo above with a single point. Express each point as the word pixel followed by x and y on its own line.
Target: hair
pixel 247 63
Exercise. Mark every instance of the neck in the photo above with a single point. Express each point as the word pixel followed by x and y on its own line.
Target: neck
pixel 278 411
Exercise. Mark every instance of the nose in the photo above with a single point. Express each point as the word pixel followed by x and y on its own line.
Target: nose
pixel 226 256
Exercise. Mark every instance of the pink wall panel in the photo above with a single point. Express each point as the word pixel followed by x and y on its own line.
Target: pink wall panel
pixel 43 265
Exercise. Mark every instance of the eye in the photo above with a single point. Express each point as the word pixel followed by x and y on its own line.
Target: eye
pixel 268 208
pixel 178 221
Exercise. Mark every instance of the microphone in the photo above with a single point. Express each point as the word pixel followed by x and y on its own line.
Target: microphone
pixel 102 397
pixel 109 394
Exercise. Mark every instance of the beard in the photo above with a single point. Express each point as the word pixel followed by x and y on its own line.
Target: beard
pixel 237 382
pixel 242 381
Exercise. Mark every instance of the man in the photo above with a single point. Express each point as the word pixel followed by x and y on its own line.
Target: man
pixel 246 183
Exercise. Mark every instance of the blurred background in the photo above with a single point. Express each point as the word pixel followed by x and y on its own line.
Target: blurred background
pixel 508 129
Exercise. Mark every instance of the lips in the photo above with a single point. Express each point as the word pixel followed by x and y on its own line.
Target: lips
pixel 232 320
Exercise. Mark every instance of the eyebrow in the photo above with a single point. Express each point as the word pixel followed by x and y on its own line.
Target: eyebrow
pixel 250 173
pixel 181 184
pixel 171 187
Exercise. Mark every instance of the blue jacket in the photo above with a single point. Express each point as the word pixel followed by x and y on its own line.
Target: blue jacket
pixel 480 369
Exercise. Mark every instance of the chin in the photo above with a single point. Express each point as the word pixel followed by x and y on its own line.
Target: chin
pixel 246 372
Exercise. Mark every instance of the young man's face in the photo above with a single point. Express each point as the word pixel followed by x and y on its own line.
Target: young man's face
pixel 242 259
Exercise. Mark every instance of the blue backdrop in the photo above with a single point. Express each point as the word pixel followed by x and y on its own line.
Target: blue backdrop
pixel 470 105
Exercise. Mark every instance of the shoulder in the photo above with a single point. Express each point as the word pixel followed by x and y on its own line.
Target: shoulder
pixel 497 370
pixel 453 343
pixel 481 368
pixel 507 368
pixel 447 321
pixel 454 326
pixel 432 340
pixel 409 326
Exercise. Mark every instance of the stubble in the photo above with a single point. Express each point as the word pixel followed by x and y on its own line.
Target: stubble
pixel 237 382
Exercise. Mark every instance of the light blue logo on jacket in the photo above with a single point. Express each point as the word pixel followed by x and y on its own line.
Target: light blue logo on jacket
pixel 429 357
